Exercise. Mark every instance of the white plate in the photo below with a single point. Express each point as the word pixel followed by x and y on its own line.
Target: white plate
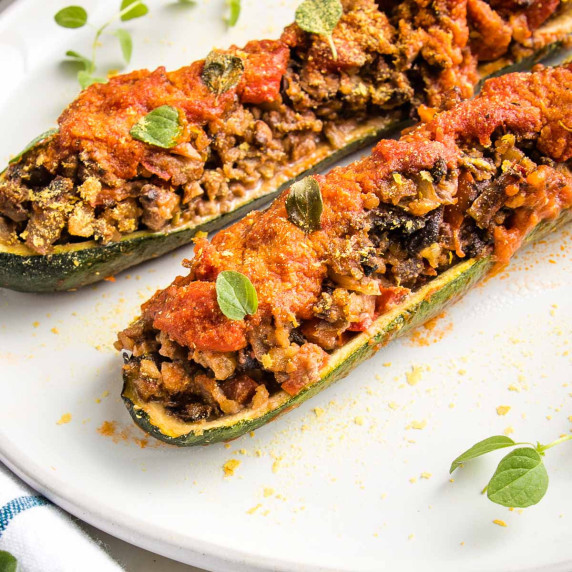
pixel 336 484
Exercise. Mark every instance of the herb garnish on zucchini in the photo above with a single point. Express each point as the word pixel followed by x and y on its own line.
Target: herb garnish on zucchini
pixel 399 234
pixel 97 196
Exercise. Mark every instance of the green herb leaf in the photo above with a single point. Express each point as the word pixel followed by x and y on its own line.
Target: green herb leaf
pixel 126 43
pixel 71 17
pixel 7 562
pixel 234 12
pixel 160 127
pixel 222 71
pixel 235 295
pixel 520 480
pixel 320 17
pixel 82 60
pixel 39 139
pixel 482 448
pixel 139 9
pixel 85 79
pixel 304 204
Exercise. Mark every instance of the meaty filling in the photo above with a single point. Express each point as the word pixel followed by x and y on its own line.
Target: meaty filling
pixel 405 226
pixel 92 180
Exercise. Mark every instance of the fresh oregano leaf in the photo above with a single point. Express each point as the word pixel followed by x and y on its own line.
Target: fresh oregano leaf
pixel 82 60
pixel 126 43
pixel 137 9
pixel 304 204
pixel 71 17
pixel 7 562
pixel 85 79
pixel 39 139
pixel 160 127
pixel 234 12
pixel 520 480
pixel 235 294
pixel 222 72
pixel 482 448
pixel 320 17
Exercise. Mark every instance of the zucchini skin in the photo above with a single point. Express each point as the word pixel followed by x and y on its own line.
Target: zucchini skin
pixel 70 269
pixel 428 302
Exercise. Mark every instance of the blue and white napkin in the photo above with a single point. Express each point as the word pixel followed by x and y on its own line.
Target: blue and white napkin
pixel 42 537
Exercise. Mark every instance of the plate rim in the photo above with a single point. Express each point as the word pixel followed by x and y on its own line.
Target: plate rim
pixel 171 544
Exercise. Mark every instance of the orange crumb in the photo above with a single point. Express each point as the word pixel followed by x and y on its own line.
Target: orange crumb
pixel 65 418
pixel 499 522
pixel 413 377
pixel 55 331
pixel 503 409
pixel 230 467
pixel 429 333
pixel 110 279
pixel 107 428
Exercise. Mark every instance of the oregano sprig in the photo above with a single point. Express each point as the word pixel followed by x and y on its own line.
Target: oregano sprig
pixel 160 127
pixel 8 562
pixel 521 479
pixel 222 72
pixel 236 295
pixel 320 17
pixel 77 17
pixel 304 204
pixel 233 12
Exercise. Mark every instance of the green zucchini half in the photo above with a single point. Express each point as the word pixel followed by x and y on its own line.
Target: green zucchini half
pixel 424 304
pixel 72 266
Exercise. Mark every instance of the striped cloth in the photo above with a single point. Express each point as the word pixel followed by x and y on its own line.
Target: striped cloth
pixel 41 537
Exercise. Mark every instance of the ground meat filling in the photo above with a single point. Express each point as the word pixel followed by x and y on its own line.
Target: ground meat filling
pixel 472 182
pixel 94 181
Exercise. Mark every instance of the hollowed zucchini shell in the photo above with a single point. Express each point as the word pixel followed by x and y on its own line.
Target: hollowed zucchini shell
pixel 426 303
pixel 75 265
pixel 72 266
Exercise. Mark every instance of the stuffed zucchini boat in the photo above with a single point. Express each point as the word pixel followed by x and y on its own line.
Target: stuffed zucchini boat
pixel 286 301
pixel 138 165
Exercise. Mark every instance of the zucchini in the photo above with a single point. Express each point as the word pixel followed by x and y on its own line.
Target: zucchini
pixel 427 302
pixel 74 265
